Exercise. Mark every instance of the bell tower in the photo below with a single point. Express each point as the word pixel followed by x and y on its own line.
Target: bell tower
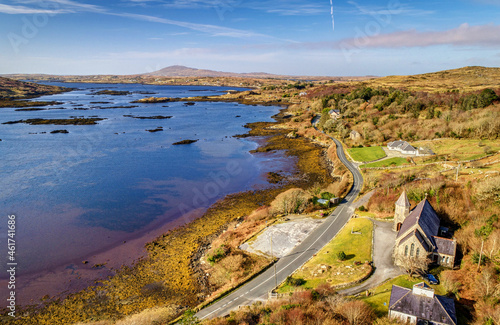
pixel 401 212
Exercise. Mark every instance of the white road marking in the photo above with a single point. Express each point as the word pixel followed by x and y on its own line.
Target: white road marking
pixel 357 180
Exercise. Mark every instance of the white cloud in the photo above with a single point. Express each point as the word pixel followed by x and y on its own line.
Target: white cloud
pixel 464 35
pixel 70 6
pixel 22 10
pixel 214 30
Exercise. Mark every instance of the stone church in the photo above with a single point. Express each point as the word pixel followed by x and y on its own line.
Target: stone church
pixel 419 233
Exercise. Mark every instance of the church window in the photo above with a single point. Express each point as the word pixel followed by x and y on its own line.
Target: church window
pixel 406 250
pixel 412 248
pixel 418 252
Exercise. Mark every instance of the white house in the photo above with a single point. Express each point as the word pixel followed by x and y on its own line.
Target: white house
pixel 421 306
pixel 403 147
pixel 407 149
pixel 334 113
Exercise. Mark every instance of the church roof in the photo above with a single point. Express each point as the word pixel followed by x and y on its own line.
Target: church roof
pixel 436 309
pixel 420 238
pixel 445 245
pixel 425 216
pixel 403 200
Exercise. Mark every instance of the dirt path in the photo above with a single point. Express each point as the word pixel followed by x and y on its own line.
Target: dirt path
pixel 384 239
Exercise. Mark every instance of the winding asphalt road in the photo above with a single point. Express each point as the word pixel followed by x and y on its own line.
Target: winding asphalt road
pixel 258 288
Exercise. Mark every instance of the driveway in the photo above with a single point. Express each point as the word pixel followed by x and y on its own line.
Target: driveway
pixel 384 239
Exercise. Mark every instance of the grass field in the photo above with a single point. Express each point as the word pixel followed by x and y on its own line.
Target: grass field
pixel 367 153
pixel 464 149
pixel 395 161
pixel 325 266
pixel 379 297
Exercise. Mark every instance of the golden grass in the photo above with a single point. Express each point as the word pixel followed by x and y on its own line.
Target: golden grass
pixel 166 276
pixel 463 149
pixel 464 79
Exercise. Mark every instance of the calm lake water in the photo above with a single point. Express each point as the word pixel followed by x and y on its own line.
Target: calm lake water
pixel 78 193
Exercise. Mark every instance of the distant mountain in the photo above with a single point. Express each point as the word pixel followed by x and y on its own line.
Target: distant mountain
pixel 182 71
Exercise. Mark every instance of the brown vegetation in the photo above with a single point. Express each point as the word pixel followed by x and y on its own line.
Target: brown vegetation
pixel 320 306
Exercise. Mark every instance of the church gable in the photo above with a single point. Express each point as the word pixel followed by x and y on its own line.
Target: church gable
pixel 422 217
pixel 413 245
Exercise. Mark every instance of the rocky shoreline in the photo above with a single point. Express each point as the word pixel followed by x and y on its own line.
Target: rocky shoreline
pixel 168 273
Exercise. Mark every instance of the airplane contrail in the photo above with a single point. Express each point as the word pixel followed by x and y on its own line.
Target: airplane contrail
pixel 331 12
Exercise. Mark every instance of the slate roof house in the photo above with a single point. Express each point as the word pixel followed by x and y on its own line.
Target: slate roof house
pixel 418 234
pixel 407 149
pixel 402 146
pixel 334 113
pixel 421 306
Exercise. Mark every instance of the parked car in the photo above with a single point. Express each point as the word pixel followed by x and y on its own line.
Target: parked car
pixel 432 279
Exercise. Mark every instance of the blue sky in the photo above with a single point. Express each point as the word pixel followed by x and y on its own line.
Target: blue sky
pixel 381 37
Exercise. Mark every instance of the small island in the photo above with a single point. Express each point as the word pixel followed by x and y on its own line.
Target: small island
pixel 184 142
pixel 157 117
pixel 112 92
pixel 70 121
pixel 59 131
pixel 158 129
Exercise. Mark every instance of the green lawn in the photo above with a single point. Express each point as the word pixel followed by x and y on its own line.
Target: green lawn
pixel 325 266
pixel 395 161
pixel 367 153
pixel 381 294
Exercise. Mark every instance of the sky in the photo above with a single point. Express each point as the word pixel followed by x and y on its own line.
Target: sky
pixel 292 37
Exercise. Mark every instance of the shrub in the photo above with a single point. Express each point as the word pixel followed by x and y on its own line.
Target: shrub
pixel 475 258
pixel 219 254
pixel 341 256
pixel 294 282
pixel 327 195
pixel 362 208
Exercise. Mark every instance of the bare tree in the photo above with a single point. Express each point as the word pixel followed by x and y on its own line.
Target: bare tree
pixel 413 264
pixel 335 301
pixel 357 312
pixel 492 244
pixel 487 283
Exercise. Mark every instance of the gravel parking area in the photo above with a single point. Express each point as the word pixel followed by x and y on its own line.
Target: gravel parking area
pixel 285 236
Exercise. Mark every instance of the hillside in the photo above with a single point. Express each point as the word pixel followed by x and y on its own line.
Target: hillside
pixel 463 79
pixel 15 89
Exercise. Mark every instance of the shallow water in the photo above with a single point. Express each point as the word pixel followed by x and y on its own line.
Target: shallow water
pixel 79 193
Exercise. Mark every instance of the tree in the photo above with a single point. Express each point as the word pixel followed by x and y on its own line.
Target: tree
pixel 489 189
pixel 413 264
pixel 294 200
pixel 357 312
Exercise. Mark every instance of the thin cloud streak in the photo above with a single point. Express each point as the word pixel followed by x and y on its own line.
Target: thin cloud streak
pixel 74 7
pixel 464 35
pixel 211 29
pixel 22 10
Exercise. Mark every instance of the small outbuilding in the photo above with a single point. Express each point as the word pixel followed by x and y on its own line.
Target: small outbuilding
pixel 355 135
